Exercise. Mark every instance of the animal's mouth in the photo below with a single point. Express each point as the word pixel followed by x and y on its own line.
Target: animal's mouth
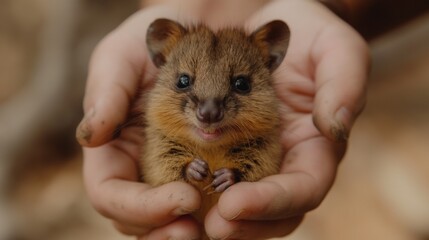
pixel 209 134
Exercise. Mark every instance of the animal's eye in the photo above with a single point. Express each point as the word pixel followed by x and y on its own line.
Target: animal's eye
pixel 183 81
pixel 241 84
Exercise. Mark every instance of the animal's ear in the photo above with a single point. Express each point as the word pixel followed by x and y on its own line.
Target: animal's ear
pixel 162 35
pixel 273 40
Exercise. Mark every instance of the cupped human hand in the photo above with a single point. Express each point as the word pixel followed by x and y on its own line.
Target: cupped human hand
pixel 322 84
pixel 120 69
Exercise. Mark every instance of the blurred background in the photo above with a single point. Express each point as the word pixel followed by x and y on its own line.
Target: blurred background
pixel 382 188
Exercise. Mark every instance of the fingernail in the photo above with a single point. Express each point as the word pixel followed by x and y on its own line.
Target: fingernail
pixel 84 131
pixel 341 128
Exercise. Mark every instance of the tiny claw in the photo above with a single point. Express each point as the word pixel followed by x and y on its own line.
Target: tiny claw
pixel 211 192
pixel 207 187
pixel 197 170
pixel 223 179
pixel 222 187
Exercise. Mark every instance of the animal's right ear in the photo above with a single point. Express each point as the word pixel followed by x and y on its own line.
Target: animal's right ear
pixel 162 35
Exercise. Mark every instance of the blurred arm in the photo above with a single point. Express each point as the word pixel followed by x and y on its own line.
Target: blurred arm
pixel 374 17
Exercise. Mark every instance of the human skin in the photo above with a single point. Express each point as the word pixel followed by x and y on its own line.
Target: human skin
pixel 321 82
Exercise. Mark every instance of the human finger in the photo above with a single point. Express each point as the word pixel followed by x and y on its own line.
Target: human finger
pixel 110 178
pixel 184 228
pixel 341 60
pixel 219 228
pixel 113 80
pixel 307 174
pixel 130 230
pixel 140 206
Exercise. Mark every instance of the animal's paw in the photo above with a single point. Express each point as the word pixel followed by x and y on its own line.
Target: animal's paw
pixel 223 179
pixel 197 170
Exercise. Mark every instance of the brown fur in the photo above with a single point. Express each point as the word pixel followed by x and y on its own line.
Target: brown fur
pixel 250 128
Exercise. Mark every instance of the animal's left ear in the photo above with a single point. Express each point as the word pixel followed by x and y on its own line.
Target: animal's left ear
pixel 273 40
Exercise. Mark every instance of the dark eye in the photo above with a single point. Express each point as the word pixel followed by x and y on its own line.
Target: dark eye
pixel 183 81
pixel 241 84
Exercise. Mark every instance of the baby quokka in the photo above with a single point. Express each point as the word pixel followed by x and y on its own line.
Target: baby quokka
pixel 212 118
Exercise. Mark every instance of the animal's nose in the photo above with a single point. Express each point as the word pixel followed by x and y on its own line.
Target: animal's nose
pixel 210 111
